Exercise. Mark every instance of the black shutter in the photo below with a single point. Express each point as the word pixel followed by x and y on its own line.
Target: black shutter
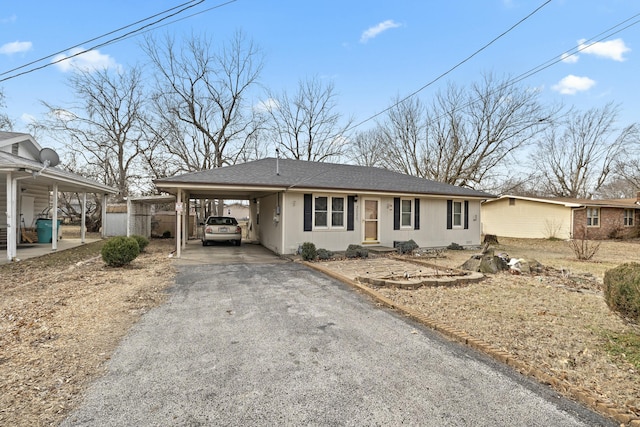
pixel 308 212
pixel 396 213
pixel 416 218
pixel 449 214
pixel 350 209
pixel 466 214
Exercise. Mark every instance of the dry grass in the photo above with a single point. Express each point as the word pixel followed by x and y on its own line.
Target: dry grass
pixel 557 322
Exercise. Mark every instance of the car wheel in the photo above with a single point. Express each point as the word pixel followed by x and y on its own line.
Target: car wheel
pixel 237 242
pixel 205 243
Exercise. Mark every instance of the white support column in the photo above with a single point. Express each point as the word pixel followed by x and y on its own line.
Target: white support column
pixel 54 219
pixel 178 224
pixel 104 216
pixel 185 220
pixel 11 210
pixel 83 217
pixel 128 217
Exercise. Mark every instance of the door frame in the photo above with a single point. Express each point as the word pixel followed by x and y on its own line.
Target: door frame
pixel 364 220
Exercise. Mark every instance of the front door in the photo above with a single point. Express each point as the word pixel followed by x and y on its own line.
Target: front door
pixel 370 220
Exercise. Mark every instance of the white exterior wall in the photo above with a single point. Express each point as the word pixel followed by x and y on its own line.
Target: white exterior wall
pixel 433 230
pixel 526 219
pixel 270 231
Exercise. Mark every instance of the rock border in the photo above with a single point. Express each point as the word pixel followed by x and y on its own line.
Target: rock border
pixel 579 394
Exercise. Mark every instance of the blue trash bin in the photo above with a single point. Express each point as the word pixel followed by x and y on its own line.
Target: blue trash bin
pixel 44 227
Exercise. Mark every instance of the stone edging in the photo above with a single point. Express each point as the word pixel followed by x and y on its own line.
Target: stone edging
pixel 579 394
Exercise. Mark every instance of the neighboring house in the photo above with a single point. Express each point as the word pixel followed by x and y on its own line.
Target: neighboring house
pixel 563 218
pixel 335 205
pixel 29 186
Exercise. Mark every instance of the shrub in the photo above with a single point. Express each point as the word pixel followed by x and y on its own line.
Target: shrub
pixel 324 254
pixel 622 290
pixel 119 251
pixel 166 234
pixel 143 242
pixel 455 247
pixel 308 251
pixel 583 248
pixel 356 251
pixel 407 247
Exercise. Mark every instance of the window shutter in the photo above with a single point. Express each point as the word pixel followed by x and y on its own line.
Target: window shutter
pixel 466 214
pixel 350 210
pixel 449 214
pixel 396 213
pixel 308 212
pixel 416 218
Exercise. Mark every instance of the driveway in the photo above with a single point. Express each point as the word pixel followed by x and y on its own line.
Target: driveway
pixel 271 342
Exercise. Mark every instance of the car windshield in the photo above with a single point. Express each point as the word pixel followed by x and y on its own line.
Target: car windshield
pixel 220 220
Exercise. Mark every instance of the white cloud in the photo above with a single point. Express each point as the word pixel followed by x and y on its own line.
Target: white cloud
pixel 612 49
pixel 570 58
pixel 28 118
pixel 570 85
pixel 88 61
pixel 266 106
pixel 376 30
pixel 15 47
pixel 9 20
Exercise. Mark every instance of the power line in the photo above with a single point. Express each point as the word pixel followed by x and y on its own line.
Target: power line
pixel 93 39
pixel 450 69
pixel 120 38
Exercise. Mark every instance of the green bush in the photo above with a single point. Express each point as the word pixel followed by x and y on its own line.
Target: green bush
pixel 143 242
pixel 119 251
pixel 324 254
pixel 455 247
pixel 622 290
pixel 356 251
pixel 308 251
pixel 407 247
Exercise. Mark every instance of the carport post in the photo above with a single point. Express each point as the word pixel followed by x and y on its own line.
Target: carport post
pixel 83 217
pixel 179 223
pixel 54 219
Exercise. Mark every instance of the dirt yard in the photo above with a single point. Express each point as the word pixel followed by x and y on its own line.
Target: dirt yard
pixel 62 315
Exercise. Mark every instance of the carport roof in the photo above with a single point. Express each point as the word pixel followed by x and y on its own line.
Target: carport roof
pixel 288 174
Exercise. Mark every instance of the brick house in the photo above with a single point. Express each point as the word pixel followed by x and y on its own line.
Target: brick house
pixel 559 217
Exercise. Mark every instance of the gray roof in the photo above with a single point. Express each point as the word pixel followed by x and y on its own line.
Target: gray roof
pixel 316 175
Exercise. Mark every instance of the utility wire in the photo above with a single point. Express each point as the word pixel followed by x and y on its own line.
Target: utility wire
pixel 94 39
pixel 120 38
pixel 450 69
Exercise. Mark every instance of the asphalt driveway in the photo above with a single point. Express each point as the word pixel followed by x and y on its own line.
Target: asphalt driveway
pixel 271 342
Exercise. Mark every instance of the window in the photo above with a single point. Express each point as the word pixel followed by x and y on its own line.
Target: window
pixel 512 201
pixel 328 212
pixel 628 217
pixel 405 213
pixel 457 214
pixel 593 217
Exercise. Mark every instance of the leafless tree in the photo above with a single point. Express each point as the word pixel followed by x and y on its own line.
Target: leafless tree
pixel 5 122
pixel 367 148
pixel 307 126
pixel 575 158
pixel 200 98
pixel 465 135
pixel 104 130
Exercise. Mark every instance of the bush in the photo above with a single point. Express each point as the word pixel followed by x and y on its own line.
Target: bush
pixel 143 242
pixel 356 251
pixel 455 247
pixel 119 251
pixel 622 290
pixel 324 254
pixel 407 247
pixel 166 234
pixel 308 251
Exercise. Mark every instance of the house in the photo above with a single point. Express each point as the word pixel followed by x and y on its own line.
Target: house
pixel 29 187
pixel 335 205
pixel 563 218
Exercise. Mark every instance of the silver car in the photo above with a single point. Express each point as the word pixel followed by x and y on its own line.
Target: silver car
pixel 221 229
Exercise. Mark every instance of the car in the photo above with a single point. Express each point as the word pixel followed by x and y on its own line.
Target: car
pixel 221 229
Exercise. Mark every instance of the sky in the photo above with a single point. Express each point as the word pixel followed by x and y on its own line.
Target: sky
pixel 372 51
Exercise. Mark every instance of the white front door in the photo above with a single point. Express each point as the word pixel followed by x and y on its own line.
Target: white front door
pixel 370 220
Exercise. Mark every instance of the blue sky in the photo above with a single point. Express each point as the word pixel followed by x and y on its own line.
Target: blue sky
pixel 373 50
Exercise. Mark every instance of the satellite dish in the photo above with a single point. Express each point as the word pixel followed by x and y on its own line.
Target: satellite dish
pixel 49 157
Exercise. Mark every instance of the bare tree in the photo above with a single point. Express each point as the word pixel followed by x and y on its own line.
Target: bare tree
pixel 367 148
pixel 200 98
pixel 104 132
pixel 5 122
pixel 465 135
pixel 575 158
pixel 307 125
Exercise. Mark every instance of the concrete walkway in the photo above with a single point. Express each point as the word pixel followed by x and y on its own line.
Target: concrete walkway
pixel 272 342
